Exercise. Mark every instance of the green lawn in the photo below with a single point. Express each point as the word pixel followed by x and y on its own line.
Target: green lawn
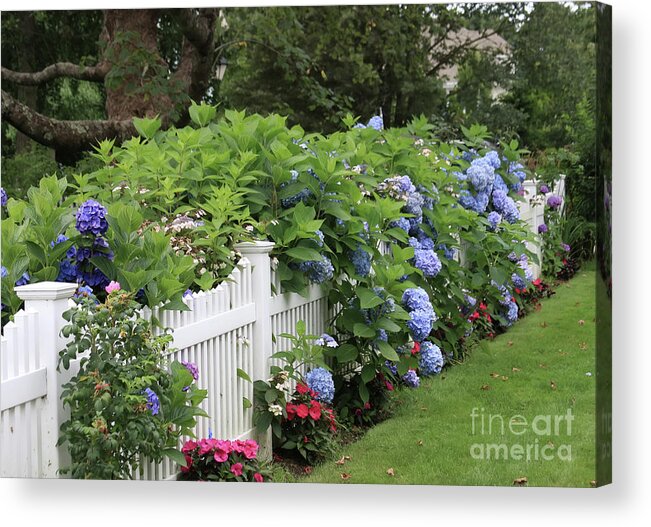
pixel 536 370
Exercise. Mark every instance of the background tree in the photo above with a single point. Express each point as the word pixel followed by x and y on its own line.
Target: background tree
pixel 141 72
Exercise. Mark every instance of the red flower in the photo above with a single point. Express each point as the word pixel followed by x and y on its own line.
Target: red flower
pixel 306 439
pixel 474 316
pixel 416 348
pixel 207 445
pixel 388 385
pixel 367 406
pixel 189 446
pixel 302 388
pixel 258 477
pixel 358 412
pixel 488 317
pixel 518 291
pixel 250 449
pixel 302 410
pixel 291 411
pixel 188 462
pixel 315 410
pixel 222 450
pixel 236 469
pixel 482 306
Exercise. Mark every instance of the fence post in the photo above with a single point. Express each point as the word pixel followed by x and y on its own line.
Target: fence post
pixel 50 300
pixel 258 254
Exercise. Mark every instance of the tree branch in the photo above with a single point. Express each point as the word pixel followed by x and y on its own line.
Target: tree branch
pixel 54 71
pixel 198 26
pixel 62 135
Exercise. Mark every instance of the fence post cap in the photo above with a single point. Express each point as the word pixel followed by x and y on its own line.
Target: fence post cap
pixel 45 291
pixel 256 247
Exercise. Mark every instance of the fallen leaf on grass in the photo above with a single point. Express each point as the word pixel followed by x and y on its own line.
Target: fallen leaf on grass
pixel 593 483
pixel 583 346
pixel 391 472
pixel 345 476
pixel 543 324
pixel 520 482
pixel 495 375
pixel 420 443
pixel 541 365
pixel 550 444
pixel 423 408
pixel 515 369
pixel 505 378
pixel 485 387
pixel 552 384
pixel 581 322
pixel 510 343
pixel 342 460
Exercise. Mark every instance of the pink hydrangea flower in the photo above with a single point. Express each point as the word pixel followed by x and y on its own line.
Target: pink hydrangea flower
pixel 113 286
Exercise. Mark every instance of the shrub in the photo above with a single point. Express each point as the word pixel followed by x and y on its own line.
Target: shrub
pixel 126 407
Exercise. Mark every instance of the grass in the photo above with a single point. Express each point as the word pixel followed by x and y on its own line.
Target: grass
pixel 543 366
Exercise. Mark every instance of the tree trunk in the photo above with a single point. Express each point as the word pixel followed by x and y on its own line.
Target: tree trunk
pixel 135 83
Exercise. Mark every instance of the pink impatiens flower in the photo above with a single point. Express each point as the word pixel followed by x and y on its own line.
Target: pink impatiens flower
pixel 222 450
pixel 236 469
pixel 258 477
pixel 113 286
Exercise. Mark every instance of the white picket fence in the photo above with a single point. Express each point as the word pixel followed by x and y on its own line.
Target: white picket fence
pixel 227 328
pixel 236 325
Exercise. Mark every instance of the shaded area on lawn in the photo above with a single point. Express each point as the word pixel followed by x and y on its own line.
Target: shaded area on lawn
pixel 542 369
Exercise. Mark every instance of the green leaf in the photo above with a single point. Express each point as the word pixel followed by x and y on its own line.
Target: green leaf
pixel 362 330
pixel 363 392
pixel 346 353
pixel 243 375
pixel 368 298
pixel 246 403
pixel 175 456
pixel 387 351
pixel 304 254
pixel 147 128
pixel 368 373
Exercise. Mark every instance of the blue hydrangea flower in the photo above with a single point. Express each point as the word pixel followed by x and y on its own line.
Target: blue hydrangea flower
pixel 376 122
pixel 448 252
pixel 499 184
pixel 505 206
pixel 292 201
pixel 3 197
pixel 411 379
pixel 91 218
pixel 431 359
pixel 401 223
pixel 494 218
pixel 361 261
pixel 493 159
pixel 320 380
pixel 3 272
pixel 481 175
pixel 516 169
pixel 420 323
pixel 382 335
pixel 391 367
pixel 24 279
pixel 317 271
pixel 518 281
pixel 416 298
pixel 427 261
pixel 84 291
pixel 153 403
